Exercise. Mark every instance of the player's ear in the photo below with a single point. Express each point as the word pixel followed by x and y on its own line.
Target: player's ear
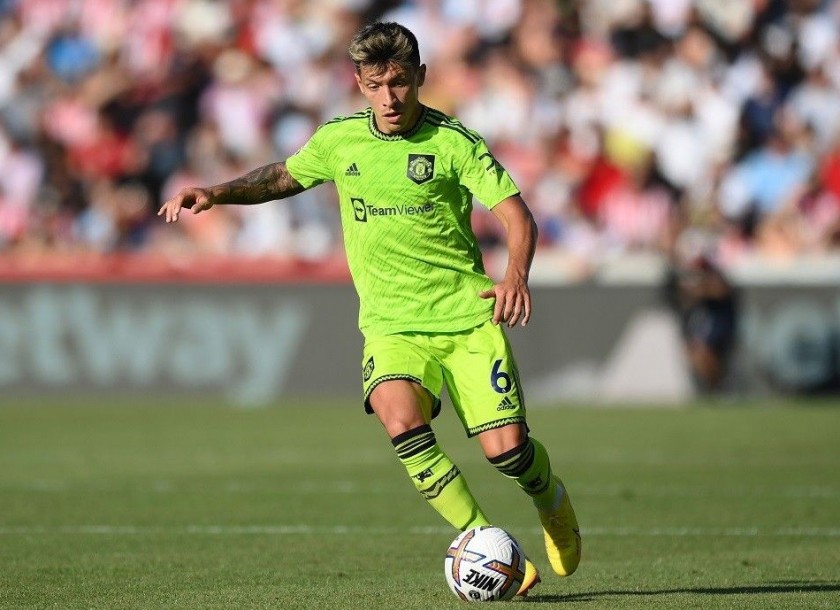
pixel 359 80
pixel 421 75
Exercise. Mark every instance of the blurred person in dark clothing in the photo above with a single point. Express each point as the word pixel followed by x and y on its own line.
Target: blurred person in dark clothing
pixel 707 305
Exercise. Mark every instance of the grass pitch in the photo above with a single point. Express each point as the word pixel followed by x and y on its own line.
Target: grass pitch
pixel 203 506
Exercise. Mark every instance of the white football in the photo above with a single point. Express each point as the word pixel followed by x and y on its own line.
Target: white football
pixel 484 564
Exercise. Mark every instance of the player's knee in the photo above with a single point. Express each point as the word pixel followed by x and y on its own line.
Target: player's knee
pixel 398 421
pixel 398 426
pixel 398 407
pixel 499 441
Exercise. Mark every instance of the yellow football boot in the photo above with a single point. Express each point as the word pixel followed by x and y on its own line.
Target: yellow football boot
pixel 562 536
pixel 532 578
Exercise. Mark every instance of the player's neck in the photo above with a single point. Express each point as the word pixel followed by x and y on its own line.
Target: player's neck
pixel 409 126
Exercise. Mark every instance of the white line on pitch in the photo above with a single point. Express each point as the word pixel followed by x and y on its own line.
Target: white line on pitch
pixel 287 530
pixel 812 492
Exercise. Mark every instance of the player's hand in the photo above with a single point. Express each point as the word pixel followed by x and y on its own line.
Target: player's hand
pixel 195 199
pixel 513 302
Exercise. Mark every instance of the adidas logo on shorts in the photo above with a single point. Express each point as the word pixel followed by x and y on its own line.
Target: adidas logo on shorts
pixel 505 405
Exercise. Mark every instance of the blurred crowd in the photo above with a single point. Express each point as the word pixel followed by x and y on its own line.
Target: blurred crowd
pixel 654 126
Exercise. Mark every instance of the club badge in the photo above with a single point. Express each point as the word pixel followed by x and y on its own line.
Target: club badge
pixel 421 168
pixel 368 369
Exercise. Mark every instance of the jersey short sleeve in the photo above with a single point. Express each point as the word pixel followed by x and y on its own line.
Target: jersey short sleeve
pixel 310 164
pixel 485 177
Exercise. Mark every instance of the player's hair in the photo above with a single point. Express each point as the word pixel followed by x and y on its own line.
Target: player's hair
pixel 379 44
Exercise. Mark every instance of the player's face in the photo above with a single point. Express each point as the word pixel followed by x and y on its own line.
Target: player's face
pixel 392 95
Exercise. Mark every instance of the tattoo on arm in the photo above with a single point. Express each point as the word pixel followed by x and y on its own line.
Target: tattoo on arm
pixel 266 183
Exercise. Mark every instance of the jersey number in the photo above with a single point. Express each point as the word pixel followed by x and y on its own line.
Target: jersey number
pixel 500 380
pixel 491 161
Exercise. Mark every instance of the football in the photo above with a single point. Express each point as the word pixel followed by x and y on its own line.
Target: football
pixel 484 564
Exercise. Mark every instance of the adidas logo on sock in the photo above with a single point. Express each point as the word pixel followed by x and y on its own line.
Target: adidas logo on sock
pixel 505 405
pixel 352 171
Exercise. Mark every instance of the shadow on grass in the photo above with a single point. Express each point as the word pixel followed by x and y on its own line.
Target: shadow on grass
pixel 776 587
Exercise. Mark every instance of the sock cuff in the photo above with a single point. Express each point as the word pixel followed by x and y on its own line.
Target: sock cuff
pixel 413 441
pixel 515 462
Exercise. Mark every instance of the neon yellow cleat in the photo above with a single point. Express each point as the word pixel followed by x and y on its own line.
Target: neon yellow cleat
pixel 531 580
pixel 562 536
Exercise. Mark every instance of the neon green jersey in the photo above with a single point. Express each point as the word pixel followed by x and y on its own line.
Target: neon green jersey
pixel 406 201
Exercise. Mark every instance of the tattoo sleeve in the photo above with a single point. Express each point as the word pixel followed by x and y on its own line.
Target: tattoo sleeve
pixel 266 183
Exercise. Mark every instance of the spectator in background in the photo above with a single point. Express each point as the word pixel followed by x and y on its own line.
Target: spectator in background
pixel 707 307
pixel 731 108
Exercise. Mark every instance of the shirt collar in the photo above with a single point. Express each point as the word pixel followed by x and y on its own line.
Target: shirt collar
pixel 402 135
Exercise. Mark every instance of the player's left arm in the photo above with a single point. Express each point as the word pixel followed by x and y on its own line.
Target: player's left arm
pixel 513 297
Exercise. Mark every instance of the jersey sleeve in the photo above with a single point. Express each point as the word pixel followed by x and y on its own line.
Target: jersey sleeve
pixel 485 177
pixel 310 165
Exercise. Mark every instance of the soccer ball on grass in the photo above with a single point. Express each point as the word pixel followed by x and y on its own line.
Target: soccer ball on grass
pixel 484 564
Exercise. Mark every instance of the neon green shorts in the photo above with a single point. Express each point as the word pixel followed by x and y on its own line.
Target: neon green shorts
pixel 477 366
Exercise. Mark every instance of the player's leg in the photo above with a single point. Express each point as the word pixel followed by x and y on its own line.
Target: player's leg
pixel 484 384
pixel 522 458
pixel 464 356
pixel 404 409
pixel 500 441
pixel 401 388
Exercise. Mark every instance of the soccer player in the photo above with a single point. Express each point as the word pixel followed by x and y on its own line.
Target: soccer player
pixel 406 175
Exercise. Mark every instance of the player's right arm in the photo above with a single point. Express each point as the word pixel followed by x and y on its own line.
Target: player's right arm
pixel 266 183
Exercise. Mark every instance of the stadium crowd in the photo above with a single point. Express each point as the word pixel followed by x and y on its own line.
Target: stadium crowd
pixel 652 126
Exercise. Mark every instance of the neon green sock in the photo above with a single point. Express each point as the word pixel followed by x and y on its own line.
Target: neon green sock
pixel 437 479
pixel 529 465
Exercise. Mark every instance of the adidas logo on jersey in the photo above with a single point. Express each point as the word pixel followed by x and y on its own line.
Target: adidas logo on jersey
pixel 505 405
pixel 352 171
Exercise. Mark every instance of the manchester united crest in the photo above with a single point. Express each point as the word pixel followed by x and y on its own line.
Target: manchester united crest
pixel 421 168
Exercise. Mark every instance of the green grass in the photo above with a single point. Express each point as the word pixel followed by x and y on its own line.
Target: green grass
pixel 202 506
